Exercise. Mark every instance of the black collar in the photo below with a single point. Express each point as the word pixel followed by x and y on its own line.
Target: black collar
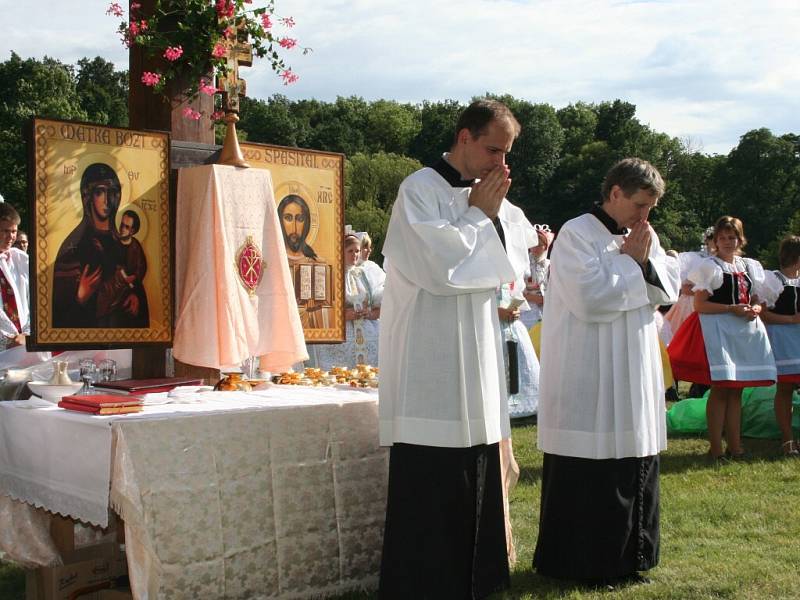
pixel 451 175
pixel 609 223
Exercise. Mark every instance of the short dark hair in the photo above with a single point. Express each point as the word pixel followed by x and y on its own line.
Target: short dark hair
pixel 9 213
pixel 728 223
pixel 632 175
pixel 137 223
pixel 477 116
pixel 789 251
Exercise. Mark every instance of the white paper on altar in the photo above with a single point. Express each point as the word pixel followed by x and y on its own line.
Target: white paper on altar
pixel 218 322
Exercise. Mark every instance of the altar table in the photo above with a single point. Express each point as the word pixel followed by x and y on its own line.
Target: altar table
pixel 272 494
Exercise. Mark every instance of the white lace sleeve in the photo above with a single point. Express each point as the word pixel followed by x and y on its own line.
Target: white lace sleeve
pixel 754 270
pixel 769 289
pixel 706 275
pixel 687 261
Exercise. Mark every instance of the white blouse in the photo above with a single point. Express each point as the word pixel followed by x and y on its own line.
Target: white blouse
pixel 773 287
pixel 707 274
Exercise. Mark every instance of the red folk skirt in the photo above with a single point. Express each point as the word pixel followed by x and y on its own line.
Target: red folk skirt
pixel 687 356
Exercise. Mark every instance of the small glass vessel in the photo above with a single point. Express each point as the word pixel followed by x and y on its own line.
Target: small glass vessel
pixel 233 382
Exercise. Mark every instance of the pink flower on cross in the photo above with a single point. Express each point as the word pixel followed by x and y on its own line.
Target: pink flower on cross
pixel 137 28
pixel 205 88
pixel 287 43
pixel 225 8
pixel 150 79
pixel 265 21
pixel 289 76
pixel 190 113
pixel 217 115
pixel 114 9
pixel 173 53
pixel 287 22
pixel 218 51
pixel 230 32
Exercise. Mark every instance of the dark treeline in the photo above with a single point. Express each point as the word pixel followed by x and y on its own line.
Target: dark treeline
pixel 557 163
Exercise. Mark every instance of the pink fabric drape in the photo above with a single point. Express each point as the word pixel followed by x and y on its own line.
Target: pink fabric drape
pixel 218 321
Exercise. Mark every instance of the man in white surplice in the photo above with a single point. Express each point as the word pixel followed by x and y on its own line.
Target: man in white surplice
pixel 601 412
pixel 443 402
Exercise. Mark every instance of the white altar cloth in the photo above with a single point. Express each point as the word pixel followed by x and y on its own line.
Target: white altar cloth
pixel 271 494
pixel 60 460
pixel 56 459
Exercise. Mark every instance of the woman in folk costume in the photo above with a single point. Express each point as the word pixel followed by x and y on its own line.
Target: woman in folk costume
pixel 362 313
pixel 522 365
pixel 536 279
pixel 782 316
pixel 724 343
pixel 373 271
pixel 681 310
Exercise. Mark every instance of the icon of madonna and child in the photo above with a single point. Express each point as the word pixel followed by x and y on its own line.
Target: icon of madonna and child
pixel 100 266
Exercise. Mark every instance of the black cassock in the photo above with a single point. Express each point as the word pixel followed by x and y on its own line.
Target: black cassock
pixel 445 534
pixel 599 519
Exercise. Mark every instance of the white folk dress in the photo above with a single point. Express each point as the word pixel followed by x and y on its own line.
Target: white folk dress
pixel 361 335
pixel 782 296
pixel 684 307
pixel 737 349
pixel 537 280
pixel 526 401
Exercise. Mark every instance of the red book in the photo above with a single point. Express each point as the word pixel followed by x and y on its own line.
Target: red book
pixel 147 386
pixel 98 401
pixel 100 410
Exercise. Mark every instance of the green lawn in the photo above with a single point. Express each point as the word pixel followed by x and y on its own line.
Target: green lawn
pixel 731 531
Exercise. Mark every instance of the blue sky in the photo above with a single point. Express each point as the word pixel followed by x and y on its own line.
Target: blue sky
pixel 706 71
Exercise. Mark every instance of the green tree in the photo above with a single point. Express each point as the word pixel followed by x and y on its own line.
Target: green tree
pixel 391 127
pixel 579 122
pixel 371 184
pixel 535 153
pixel 30 88
pixel 365 216
pixel 339 127
pixel 272 122
pixel 438 122
pixel 761 185
pixel 102 92
pixel 575 185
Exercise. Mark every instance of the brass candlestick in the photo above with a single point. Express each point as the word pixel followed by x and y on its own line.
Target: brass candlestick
pixel 231 153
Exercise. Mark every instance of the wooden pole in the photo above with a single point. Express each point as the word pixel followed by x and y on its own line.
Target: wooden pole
pixel 149 111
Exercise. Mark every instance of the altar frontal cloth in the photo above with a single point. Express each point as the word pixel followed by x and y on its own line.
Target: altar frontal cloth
pixel 234 295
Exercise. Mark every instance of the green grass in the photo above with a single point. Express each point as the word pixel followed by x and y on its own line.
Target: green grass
pixel 729 531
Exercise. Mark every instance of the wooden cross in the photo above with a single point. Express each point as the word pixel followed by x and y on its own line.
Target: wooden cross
pixel 239 53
